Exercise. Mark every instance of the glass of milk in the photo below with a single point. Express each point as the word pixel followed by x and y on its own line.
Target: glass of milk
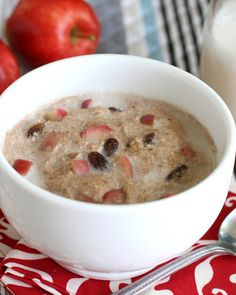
pixel 218 59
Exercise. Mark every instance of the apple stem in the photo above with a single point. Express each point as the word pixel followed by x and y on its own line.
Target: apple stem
pixel 76 34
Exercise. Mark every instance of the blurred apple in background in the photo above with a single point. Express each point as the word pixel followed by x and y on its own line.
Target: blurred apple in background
pixel 42 31
pixel 9 68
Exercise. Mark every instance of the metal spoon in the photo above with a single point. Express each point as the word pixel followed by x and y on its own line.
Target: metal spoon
pixel 226 244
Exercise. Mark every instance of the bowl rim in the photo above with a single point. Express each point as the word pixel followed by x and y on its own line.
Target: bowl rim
pixel 53 198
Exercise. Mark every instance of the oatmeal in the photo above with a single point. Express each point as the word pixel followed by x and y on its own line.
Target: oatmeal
pixel 137 151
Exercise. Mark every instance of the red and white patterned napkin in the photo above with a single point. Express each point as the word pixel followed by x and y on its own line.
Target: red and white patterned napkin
pixel 26 271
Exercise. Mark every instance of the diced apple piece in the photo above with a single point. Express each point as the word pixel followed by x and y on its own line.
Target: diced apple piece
pixel 126 166
pixel 95 133
pixel 147 119
pixel 85 198
pixel 188 152
pixel 50 141
pixel 86 104
pixel 61 113
pixel 80 166
pixel 164 196
pixel 115 196
pixel 22 166
pixel 56 115
pixel 51 116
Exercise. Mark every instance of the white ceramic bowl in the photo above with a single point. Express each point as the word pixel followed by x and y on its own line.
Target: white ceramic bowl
pixel 110 241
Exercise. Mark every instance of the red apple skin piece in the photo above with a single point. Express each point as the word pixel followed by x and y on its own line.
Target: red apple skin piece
pixel 126 166
pixel 85 198
pixel 43 31
pixel 188 152
pixel 147 119
pixel 50 141
pixel 61 113
pixel 86 104
pixel 164 196
pixel 80 166
pixel 56 115
pixel 9 68
pixel 22 166
pixel 99 129
pixel 115 196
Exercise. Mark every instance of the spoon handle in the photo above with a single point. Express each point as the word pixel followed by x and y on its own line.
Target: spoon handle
pixel 150 279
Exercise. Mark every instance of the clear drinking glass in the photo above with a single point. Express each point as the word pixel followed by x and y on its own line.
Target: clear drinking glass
pixel 218 59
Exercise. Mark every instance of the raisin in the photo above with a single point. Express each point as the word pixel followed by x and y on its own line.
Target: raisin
pixel 97 160
pixel 177 172
pixel 36 129
pixel 149 138
pixel 110 146
pixel 112 109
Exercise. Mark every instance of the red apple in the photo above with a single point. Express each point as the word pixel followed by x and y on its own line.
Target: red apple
pixel 43 31
pixel 9 68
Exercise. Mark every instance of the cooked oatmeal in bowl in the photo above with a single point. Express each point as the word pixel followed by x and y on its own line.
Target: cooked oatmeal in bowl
pixel 147 150
pixel 183 144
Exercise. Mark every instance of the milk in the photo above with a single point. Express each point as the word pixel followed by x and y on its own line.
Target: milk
pixel 218 61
